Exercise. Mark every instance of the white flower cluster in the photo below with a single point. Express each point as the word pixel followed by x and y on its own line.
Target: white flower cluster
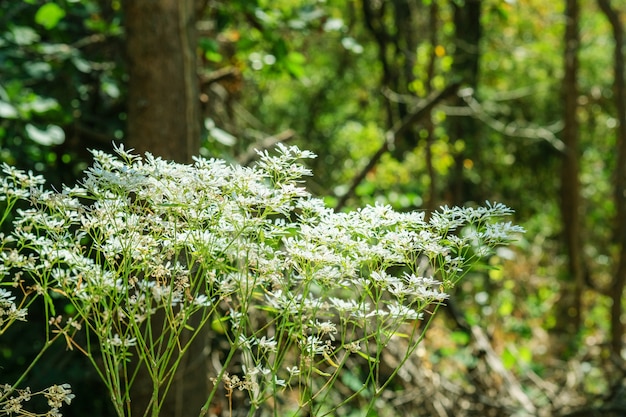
pixel 285 272
pixel 12 400
pixel 9 312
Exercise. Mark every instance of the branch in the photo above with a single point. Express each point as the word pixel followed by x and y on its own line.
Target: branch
pixel 397 130
pixel 496 365
pixel 219 75
pixel 513 129
pixel 247 157
pixel 477 110
pixel 483 345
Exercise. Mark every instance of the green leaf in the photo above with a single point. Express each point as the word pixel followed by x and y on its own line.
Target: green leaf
pixel 110 89
pixel 7 110
pixel 525 354
pixel 352 381
pixel 508 359
pixel 52 135
pixel 81 64
pixel 23 35
pixel 49 15
pixel 294 64
pixel 42 105
pixel 38 70
pixel 319 372
pixel 366 356
pixel 218 134
pixel 460 338
pixel 219 324
pixel 213 56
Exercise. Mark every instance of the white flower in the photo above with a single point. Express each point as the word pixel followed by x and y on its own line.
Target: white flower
pixel 353 347
pixel 117 341
pixel 202 301
pixel 402 312
pixel 326 328
pixel 293 370
pixel 348 306
pixel 267 345
pixel 279 382
pixel 59 394
pixel 313 345
pixel 8 309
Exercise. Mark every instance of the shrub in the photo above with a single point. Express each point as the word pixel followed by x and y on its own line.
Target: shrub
pixel 151 253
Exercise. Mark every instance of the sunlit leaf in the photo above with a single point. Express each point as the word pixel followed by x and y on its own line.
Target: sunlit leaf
pixel 49 15
pixel 351 45
pixel 508 359
pixel 213 56
pixel 52 135
pixel 525 354
pixel 220 324
pixel 218 134
pixel 366 356
pixel 460 338
pixel 38 69
pixel 23 35
pixel 81 64
pixel 295 64
pixel 322 373
pixel 111 89
pixel 333 24
pixel 330 360
pixel 42 105
pixel 7 111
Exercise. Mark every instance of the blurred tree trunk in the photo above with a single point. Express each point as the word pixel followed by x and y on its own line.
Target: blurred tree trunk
pixel 394 27
pixel 432 199
pixel 163 119
pixel 163 104
pixel 568 309
pixel 466 57
pixel 619 94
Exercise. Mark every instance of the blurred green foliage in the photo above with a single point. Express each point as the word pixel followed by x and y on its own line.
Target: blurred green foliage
pixel 314 67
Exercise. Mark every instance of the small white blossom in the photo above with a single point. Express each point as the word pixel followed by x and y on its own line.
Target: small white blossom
pixel 402 312
pixel 267 344
pixel 117 341
pixel 59 394
pixel 293 370
pixel 326 328
pixel 279 382
pixel 313 345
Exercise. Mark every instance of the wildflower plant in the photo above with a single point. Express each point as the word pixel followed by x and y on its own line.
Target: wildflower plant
pixel 151 253
pixel 15 297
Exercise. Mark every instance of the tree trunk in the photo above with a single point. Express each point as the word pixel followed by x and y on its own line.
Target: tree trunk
pixel 619 94
pixel 164 119
pixel 432 199
pixel 467 34
pixel 163 105
pixel 568 309
pixel 397 43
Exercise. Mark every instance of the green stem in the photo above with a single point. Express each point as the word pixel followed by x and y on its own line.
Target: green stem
pixel 155 397
pixel 379 389
pixel 205 408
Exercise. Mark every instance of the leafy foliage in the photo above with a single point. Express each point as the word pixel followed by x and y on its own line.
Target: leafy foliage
pixel 316 68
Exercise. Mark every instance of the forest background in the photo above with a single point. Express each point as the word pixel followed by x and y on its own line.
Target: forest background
pixel 412 103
